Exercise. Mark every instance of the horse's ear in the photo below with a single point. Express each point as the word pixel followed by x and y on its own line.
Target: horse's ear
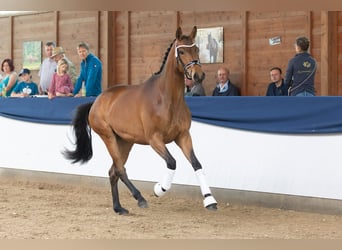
pixel 179 33
pixel 193 32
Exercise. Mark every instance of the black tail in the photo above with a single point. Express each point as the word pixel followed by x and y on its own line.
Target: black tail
pixel 83 151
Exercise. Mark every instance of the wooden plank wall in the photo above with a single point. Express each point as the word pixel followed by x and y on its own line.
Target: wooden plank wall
pixel 339 55
pixel 247 52
pixel 132 44
pixel 66 28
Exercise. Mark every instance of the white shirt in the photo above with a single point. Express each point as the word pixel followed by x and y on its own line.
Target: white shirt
pixel 47 69
pixel 224 87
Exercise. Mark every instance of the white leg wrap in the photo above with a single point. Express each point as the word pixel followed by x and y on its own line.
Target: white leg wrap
pixel 204 187
pixel 158 190
pixel 209 199
pixel 161 188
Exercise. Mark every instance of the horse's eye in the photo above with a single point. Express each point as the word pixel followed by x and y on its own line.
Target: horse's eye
pixel 181 52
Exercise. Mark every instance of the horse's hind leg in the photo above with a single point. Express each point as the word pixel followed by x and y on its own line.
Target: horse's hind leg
pixel 119 153
pixel 185 143
pixel 113 177
pixel 135 192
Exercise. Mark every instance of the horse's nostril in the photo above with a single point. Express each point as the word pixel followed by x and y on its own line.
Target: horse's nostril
pixel 198 77
pixel 203 76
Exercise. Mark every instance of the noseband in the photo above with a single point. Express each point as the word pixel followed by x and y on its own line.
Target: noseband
pixel 189 64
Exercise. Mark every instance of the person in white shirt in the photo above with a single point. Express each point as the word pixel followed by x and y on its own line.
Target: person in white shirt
pixel 47 69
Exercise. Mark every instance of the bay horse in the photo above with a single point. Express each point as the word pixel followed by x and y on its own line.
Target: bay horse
pixel 152 113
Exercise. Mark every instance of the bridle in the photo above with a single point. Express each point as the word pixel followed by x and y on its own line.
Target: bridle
pixel 189 64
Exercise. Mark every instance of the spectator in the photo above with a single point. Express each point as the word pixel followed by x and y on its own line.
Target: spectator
pixel 10 78
pixel 26 87
pixel 225 87
pixel 301 69
pixel 91 72
pixel 192 89
pixel 277 87
pixel 57 54
pixel 61 82
pixel 47 69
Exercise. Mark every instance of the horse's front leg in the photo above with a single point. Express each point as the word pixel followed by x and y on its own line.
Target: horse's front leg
pixel 162 187
pixel 185 143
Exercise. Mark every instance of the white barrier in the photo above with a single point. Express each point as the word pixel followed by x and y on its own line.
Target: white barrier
pixel 303 165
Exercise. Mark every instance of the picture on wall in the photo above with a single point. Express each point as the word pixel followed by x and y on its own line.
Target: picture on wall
pixel 210 44
pixel 32 55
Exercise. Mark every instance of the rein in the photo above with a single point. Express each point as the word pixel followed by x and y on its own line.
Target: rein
pixel 189 64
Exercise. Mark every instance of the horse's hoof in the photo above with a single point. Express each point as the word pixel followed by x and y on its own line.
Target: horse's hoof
pixel 158 190
pixel 209 202
pixel 142 203
pixel 212 207
pixel 121 211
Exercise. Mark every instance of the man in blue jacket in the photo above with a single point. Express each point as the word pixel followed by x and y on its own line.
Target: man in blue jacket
pixel 90 78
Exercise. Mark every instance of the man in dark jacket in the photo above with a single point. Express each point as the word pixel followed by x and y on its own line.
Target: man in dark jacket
pixel 225 87
pixel 277 87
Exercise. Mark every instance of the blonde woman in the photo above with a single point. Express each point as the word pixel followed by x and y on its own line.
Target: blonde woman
pixel 61 82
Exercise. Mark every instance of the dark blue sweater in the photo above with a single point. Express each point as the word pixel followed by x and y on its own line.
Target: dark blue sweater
pixel 299 68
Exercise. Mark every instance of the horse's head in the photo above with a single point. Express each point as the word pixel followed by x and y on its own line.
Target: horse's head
pixel 187 55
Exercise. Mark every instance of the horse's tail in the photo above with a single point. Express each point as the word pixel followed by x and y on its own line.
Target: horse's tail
pixel 83 151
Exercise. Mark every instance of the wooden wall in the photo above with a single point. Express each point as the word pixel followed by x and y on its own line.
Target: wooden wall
pixel 132 44
pixel 66 28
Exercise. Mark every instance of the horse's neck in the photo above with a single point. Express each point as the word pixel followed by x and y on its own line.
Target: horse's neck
pixel 171 80
pixel 171 84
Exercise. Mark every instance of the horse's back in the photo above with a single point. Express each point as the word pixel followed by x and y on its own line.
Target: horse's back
pixel 118 109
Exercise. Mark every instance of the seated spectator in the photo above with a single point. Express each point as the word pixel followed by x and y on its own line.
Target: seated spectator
pixel 277 86
pixel 61 82
pixel 10 78
pixel 225 87
pixel 192 89
pixel 57 54
pixel 26 87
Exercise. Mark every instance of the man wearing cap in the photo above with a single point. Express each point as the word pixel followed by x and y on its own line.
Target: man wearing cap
pixel 47 69
pixel 57 54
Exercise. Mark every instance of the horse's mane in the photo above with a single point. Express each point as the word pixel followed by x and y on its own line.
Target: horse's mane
pixel 165 57
pixel 167 53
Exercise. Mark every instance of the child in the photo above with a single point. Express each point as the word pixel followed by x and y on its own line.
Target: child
pixel 26 87
pixel 61 82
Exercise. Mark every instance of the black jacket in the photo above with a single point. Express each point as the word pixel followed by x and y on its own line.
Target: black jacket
pixel 299 68
pixel 273 90
pixel 232 90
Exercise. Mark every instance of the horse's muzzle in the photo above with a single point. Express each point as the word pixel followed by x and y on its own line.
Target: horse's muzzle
pixel 198 77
